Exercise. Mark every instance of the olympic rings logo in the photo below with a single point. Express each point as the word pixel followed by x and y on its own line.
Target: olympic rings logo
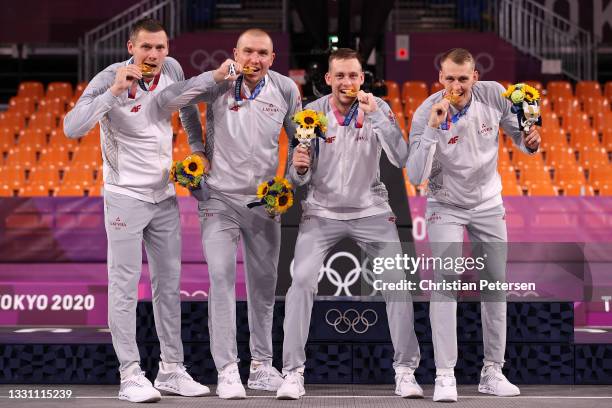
pixel 343 285
pixel 203 61
pixel 351 319
pixel 484 62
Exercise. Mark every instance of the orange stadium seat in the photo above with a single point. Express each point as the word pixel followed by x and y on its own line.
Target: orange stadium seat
pixel 55 106
pixel 78 175
pixel 577 190
pixel 79 89
pixel 34 138
pixel 590 156
pixel 608 91
pixel 12 176
pixel 87 155
pixel 541 189
pixel 6 190
pixel 435 87
pixel 555 89
pixel 12 120
pixel 395 104
pixel 414 89
pixel 176 122
pixel 47 176
pixel 411 104
pixel 602 122
pixel 393 90
pixel 556 156
pixel 180 152
pixel 569 175
pixel 34 191
pixel 600 174
pixel 21 156
pixel 181 191
pixel 594 105
pixel 32 89
pixel 57 139
pixel 586 89
pixel 69 190
pixel 510 187
pixel 45 121
pixel 606 140
pixel 566 106
pixel 531 176
pixel 23 104
pixel 181 138
pixel 62 90
pixel 579 139
pixel 550 120
pixel 578 122
pixel 552 137
pixel 545 105
pixel 7 141
pixel 605 190
pixel 54 156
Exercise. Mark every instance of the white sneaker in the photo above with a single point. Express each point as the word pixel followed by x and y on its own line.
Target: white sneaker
pixel 263 376
pixel 406 385
pixel 178 381
pixel 445 389
pixel 229 385
pixel 136 388
pixel 292 387
pixel 493 381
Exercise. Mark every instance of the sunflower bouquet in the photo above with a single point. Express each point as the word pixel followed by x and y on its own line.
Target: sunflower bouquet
pixel 188 172
pixel 311 124
pixel 525 103
pixel 275 195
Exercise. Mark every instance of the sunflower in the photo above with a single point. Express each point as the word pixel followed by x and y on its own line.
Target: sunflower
pixel 262 190
pixel 284 182
pixel 322 122
pixel 283 202
pixel 172 175
pixel 308 119
pixel 509 91
pixel 193 165
pixel 531 94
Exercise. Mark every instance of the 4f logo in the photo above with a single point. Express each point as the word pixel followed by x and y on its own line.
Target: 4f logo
pixel 136 108
pixel 453 140
pixel 330 139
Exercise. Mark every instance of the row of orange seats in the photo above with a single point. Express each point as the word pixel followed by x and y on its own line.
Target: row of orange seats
pixel 553 90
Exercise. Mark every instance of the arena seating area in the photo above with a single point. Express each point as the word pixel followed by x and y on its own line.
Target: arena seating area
pixel 39 160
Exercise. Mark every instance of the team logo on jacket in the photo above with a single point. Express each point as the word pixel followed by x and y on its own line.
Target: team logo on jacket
pixel 330 139
pixel 136 108
pixel 271 109
pixel 484 128
pixel 391 117
pixel 118 224
pixel 453 140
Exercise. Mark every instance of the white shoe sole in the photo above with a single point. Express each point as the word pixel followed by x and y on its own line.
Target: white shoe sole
pixel 286 396
pixel 152 398
pixel 257 385
pixel 164 387
pixel 483 389
pixel 236 396
pixel 446 398
pixel 410 396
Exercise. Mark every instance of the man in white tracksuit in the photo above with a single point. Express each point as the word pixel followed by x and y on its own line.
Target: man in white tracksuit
pixel 245 114
pixel 454 144
pixel 140 204
pixel 346 199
